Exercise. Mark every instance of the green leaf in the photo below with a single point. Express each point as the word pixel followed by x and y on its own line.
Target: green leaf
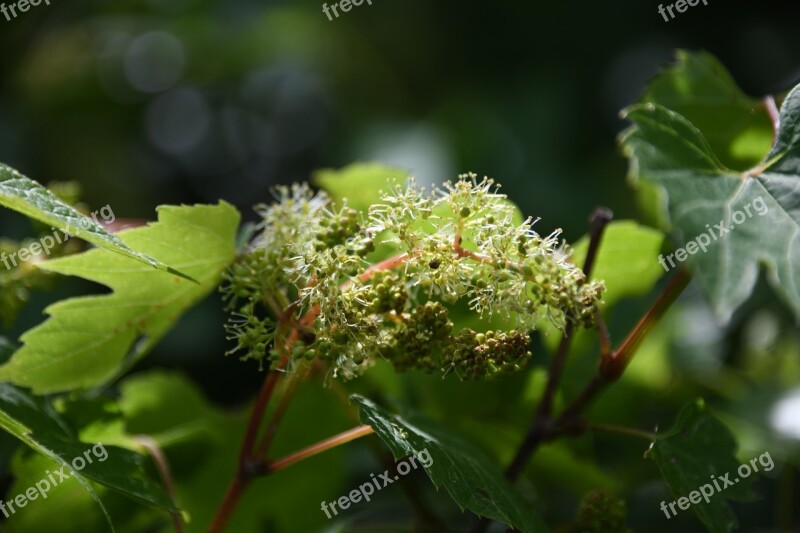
pixel 76 509
pixel 737 127
pixel 360 183
pixel 697 449
pixel 201 443
pixel 627 260
pixel 762 206
pixel 32 200
pixel 88 341
pixel 34 421
pixel 463 469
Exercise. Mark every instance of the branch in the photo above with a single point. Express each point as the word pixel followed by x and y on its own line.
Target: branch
pixel 277 416
pixel 774 116
pixel 256 415
pixel 613 365
pixel 315 449
pixel 246 468
pixel 647 435
pixel 539 427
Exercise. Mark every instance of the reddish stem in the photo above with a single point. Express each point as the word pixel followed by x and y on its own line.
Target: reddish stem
pixel 232 495
pixel 277 416
pixel 614 364
pixel 162 466
pixel 247 468
pixel 774 116
pixel 256 415
pixel 315 449
pixel 539 427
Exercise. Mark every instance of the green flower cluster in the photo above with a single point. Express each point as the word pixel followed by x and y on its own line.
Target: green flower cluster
pixel 486 355
pixel 424 340
pixel 602 512
pixel 359 287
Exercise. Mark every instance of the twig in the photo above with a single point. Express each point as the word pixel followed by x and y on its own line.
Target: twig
pixel 598 221
pixel 327 444
pixel 277 309
pixel 633 432
pixel 256 415
pixel 255 468
pixel 539 427
pixel 162 465
pixel 774 116
pixel 232 495
pixel 614 364
pixel 246 468
pixel 602 332
pixel 277 415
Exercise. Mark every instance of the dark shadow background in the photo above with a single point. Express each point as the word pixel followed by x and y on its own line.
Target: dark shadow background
pixel 148 102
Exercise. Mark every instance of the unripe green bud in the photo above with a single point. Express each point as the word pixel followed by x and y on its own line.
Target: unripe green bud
pixel 603 512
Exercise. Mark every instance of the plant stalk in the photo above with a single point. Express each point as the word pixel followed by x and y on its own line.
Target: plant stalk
pixel 315 449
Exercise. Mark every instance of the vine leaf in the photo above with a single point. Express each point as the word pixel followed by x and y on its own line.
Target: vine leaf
pixel 749 219
pixel 34 421
pixel 697 450
pixel 698 86
pixel 90 340
pixel 465 471
pixel 26 196
pixel 361 184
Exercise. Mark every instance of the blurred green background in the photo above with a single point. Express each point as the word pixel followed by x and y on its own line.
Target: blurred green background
pixel 147 102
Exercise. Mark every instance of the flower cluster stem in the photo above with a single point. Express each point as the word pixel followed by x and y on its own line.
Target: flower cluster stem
pixel 540 425
pixel 252 457
pixel 315 449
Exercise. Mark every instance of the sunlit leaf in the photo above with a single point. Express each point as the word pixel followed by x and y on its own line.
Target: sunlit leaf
pixel 90 340
pixel 31 199
pixel 727 224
